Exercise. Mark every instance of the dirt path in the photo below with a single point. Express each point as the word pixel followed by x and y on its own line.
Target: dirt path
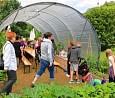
pixel 24 80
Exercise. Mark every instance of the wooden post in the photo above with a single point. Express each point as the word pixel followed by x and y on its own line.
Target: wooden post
pixel 89 47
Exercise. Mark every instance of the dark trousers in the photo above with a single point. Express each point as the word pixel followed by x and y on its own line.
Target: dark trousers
pixel 12 77
pixel 111 79
pixel 68 68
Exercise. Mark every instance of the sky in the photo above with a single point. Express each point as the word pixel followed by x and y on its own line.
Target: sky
pixel 80 5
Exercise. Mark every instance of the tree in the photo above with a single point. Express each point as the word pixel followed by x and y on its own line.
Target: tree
pixel 7 6
pixel 103 20
pixel 21 28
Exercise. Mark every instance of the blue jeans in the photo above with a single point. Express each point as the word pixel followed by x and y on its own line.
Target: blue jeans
pixel 45 64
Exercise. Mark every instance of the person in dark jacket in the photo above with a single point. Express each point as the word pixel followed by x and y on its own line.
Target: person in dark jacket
pixel 17 47
pixel 74 55
pixel 68 64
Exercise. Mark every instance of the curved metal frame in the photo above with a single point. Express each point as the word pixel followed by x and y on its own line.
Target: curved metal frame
pixel 49 26
pixel 59 4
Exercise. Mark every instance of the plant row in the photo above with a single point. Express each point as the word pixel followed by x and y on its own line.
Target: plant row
pixel 58 91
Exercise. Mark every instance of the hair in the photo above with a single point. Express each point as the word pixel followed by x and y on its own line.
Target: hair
pixel 47 34
pixel 9 35
pixel 72 43
pixel 52 40
pixel 40 38
pixel 17 37
pixel 109 53
pixel 44 35
pixel 35 38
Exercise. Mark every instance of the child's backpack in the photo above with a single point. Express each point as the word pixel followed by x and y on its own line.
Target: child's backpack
pixel 83 67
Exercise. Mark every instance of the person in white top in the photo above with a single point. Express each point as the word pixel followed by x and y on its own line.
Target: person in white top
pixel 111 59
pixel 10 63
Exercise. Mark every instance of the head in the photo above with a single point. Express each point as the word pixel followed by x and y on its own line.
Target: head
pixel 35 39
pixel 17 38
pixel 48 35
pixel 40 38
pixel 44 35
pixel 72 43
pixel 108 52
pixel 11 36
pixel 78 44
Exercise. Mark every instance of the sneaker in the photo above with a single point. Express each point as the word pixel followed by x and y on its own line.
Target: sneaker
pixel 67 75
pixel 71 81
pixel 32 85
pixel 78 81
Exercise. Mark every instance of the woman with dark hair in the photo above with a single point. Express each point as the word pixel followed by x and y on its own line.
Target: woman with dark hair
pixel 46 58
pixel 17 47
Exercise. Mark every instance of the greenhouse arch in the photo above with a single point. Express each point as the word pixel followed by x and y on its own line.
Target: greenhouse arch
pixel 65 22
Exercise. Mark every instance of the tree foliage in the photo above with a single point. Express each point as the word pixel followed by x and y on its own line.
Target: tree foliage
pixel 103 20
pixel 21 28
pixel 7 6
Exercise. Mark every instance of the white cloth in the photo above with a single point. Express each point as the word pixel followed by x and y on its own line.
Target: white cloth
pixel 9 57
pixel 110 58
pixel 32 34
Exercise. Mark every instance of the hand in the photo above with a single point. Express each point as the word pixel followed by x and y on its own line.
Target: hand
pixel 51 63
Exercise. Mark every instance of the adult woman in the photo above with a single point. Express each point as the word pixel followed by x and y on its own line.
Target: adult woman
pixel 46 58
pixel 10 64
pixel 111 58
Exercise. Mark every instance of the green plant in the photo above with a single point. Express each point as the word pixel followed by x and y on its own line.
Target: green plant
pixel 103 19
pixel 2 40
pixel 59 47
pixel 92 63
pixel 58 91
pixel 99 70
pixel 2 75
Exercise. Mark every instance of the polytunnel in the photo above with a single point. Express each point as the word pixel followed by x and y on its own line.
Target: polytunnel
pixel 65 22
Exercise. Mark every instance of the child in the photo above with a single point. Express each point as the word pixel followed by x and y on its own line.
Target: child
pixel 103 80
pixel 111 59
pixel 74 55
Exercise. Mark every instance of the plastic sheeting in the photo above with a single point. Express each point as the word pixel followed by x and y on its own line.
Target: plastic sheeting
pixel 65 22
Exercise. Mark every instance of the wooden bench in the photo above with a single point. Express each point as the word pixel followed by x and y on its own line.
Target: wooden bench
pixel 61 65
pixel 56 64
pixel 26 63
pixel 31 52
